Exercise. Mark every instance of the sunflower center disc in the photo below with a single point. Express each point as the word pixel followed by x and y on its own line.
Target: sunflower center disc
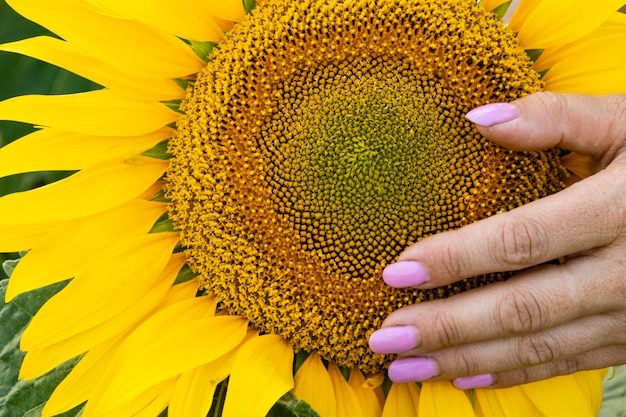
pixel 324 137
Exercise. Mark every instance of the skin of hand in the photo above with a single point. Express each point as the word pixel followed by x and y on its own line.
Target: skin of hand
pixel 551 319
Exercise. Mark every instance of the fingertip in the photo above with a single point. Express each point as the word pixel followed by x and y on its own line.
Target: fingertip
pixel 404 274
pixel 493 114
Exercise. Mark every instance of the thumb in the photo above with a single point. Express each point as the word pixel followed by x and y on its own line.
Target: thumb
pixel 589 125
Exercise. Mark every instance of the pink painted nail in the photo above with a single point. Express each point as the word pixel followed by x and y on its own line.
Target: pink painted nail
pixel 405 274
pixel 492 114
pixel 412 369
pixel 395 339
pixel 476 381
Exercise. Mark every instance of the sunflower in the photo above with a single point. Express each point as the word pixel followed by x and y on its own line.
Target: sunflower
pixel 246 172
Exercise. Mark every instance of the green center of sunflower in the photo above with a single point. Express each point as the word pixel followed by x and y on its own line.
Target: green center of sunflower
pixel 324 137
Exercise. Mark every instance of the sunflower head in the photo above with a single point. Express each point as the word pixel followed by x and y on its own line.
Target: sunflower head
pixel 322 138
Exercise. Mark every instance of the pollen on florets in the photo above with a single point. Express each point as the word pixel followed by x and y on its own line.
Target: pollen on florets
pixel 324 137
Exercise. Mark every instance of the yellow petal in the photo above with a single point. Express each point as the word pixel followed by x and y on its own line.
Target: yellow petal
pixel 229 10
pixel 109 286
pixel 547 24
pixel 581 165
pixel 591 382
pixel 515 403
pixel 160 396
pixel 193 393
pixel 39 361
pixel 71 247
pixel 149 403
pixel 99 113
pixel 18 237
pixel 76 387
pixel 367 395
pixel 123 43
pixel 561 396
pixel 348 404
pixel 90 191
pixel 488 403
pixel 65 55
pixel 57 150
pixel 184 18
pixel 490 5
pixel 595 64
pixel 402 400
pixel 261 374
pixel 178 339
pixel 313 385
pixel 441 399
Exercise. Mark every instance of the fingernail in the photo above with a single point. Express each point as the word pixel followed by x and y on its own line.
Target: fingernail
pixel 395 339
pixel 492 114
pixel 405 274
pixel 412 369
pixel 476 381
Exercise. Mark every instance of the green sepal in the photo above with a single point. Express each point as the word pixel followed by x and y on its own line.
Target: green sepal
pixel 249 5
pixel 160 197
pixel 203 49
pixel 219 398
pixel 386 385
pixel 174 105
pixel 290 406
pixel 159 151
pixel 501 10
pixel 543 73
pixel 185 274
pixel 534 54
pixel 183 83
pixel 299 359
pixel 163 224
pixel 19 398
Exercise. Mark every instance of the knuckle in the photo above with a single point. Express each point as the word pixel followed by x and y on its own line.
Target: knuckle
pixel 519 312
pixel 447 330
pixel 465 364
pixel 452 261
pixel 567 366
pixel 520 242
pixel 536 350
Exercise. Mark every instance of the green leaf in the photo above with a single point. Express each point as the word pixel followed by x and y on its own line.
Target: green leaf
pixel 501 10
pixel 19 398
pixel 290 406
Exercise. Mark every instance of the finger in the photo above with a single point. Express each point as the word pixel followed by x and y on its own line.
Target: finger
pixel 591 125
pixel 535 300
pixel 562 345
pixel 587 215
pixel 595 359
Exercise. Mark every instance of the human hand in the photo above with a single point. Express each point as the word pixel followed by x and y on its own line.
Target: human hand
pixel 546 321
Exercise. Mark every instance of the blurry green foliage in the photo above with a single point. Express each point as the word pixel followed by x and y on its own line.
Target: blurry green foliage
pixel 20 75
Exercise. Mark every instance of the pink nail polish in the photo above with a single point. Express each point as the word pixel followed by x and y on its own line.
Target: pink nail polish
pixel 412 369
pixel 476 381
pixel 395 339
pixel 405 274
pixel 492 114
